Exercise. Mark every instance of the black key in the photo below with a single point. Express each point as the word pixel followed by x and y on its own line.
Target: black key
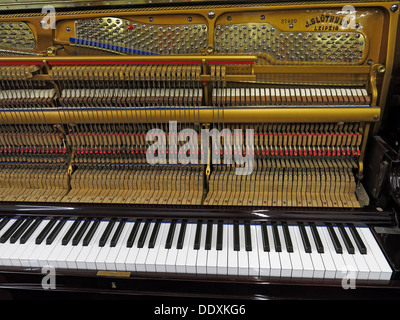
pixel 197 236
pixel 132 235
pixel 3 222
pixel 208 235
pixel 346 239
pixel 247 236
pixel 334 238
pixel 14 238
pixel 70 232
pixel 360 244
pixel 236 240
pixel 170 236
pixel 43 234
pixel 30 231
pixel 56 231
pixel 143 235
pixel 106 233
pixel 181 236
pixel 288 239
pixel 154 234
pixel 117 233
pixel 91 232
pixel 265 240
pixel 304 238
pixel 80 232
pixel 317 238
pixel 277 240
pixel 220 232
pixel 11 230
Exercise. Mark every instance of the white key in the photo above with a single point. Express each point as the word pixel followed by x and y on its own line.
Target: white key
pixel 254 265
pixel 170 262
pixel 162 254
pixel 133 251
pixel 114 251
pixel 232 254
pixel 297 266
pixel 124 250
pixel 274 257
pixel 212 257
pixel 191 259
pixel 243 259
pixel 142 255
pixel 337 258
pixel 326 256
pixel 286 263
pixel 201 265
pixel 319 268
pixel 263 256
pixel 350 268
pixel 183 253
pixel 4 247
pixel 375 270
pixel 150 264
pixel 222 267
pixel 308 267
pixel 386 270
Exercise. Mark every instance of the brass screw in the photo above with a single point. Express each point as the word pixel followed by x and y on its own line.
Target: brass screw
pixel 381 69
pixel 51 50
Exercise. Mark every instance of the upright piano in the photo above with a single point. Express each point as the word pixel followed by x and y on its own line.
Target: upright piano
pixel 219 149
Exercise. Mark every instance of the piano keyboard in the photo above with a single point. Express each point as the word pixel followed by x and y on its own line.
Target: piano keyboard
pixel 241 248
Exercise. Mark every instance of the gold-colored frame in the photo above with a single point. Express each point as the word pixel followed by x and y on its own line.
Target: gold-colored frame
pixel 373 70
pixel 380 47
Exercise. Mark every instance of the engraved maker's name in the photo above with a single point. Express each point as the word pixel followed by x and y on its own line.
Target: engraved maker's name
pixel 338 21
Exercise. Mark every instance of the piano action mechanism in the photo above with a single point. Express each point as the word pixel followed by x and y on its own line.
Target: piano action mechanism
pixel 261 121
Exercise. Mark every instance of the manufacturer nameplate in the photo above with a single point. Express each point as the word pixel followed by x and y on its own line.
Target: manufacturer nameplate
pixel 124 274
